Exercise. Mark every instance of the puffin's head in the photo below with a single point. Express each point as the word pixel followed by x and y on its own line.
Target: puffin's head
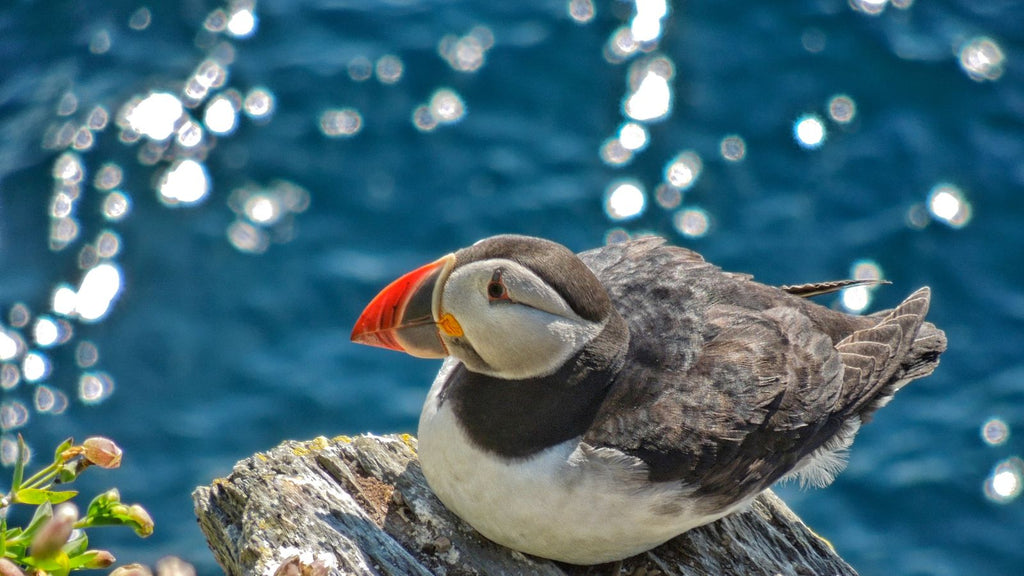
pixel 508 306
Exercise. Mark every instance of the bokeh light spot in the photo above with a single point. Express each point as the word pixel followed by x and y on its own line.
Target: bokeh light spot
pixel 116 206
pixel 683 171
pixel 651 100
pixel 842 109
pixel 447 106
pixel 582 11
pixel 1005 482
pixel 98 291
pixel 86 354
pixel 389 69
pixel 995 432
pixel 46 332
pixel 94 387
pixel 809 131
pixel 668 197
pixel 947 204
pixel 856 299
pixel 35 366
pixel 871 7
pixel 156 115
pixel 341 122
pixel 692 222
pixel 624 200
pixel 9 346
pixel 259 104
pixel 733 148
pixel 982 59
pixel 184 182
pixel 613 153
pixel 633 136
pixel 242 22
pixel 13 415
pixel 10 376
pixel 221 115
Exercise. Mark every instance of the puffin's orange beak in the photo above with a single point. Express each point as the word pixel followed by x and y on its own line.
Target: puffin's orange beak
pixel 402 317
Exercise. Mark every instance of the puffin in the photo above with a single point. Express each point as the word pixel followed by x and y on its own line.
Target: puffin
pixel 593 406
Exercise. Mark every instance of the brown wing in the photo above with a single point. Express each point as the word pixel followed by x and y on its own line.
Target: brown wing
pixel 730 383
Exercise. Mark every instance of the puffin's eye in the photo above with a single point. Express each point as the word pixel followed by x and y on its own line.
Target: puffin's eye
pixel 496 287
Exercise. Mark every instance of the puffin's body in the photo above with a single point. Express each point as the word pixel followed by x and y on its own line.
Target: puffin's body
pixel 594 406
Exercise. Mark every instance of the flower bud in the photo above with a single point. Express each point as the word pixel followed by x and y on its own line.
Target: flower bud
pixel 8 568
pixel 131 570
pixel 55 533
pixel 100 559
pixel 140 520
pixel 102 452
pixel 174 566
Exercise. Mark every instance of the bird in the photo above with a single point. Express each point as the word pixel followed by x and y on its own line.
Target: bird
pixel 593 406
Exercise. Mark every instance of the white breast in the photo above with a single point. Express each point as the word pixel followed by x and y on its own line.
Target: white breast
pixel 571 502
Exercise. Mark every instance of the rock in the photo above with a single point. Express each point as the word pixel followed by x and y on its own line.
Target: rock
pixel 362 506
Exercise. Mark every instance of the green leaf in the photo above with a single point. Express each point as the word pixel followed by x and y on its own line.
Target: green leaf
pixel 19 464
pixel 42 516
pixel 78 544
pixel 63 446
pixel 38 496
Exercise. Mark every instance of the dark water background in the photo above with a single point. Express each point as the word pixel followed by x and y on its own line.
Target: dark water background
pixel 216 352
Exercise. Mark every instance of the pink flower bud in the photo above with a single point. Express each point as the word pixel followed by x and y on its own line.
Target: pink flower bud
pixel 131 570
pixel 8 568
pixel 102 452
pixel 55 533
pixel 141 521
pixel 100 559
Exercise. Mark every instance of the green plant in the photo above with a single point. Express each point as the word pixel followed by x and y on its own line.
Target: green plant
pixel 55 541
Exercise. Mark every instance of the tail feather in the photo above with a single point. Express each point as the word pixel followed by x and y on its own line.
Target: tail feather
pixel 902 347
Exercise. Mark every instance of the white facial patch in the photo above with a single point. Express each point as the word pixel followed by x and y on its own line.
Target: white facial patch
pixel 531 333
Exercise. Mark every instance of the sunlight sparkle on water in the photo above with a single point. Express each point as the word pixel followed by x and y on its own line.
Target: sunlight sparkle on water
pixel 733 148
pixel 46 332
pixel 995 432
pixel 1006 481
pixel 624 200
pixel 156 115
pixel 646 24
pixel 683 171
pixel 613 153
pixel 842 109
pixel 872 7
pixel 341 122
pixel 581 11
pixel 651 100
pixel 13 415
pixel 115 206
pixel 259 104
pixel 184 182
pixel 692 222
pixel 94 387
pixel 856 299
pixel 947 204
pixel 242 22
pixel 633 136
pixel 49 400
pixel 9 346
pixel 389 69
pixel 982 59
pixel 467 53
pixel 35 366
pixel 809 131
pixel 98 291
pixel 10 376
pixel 221 115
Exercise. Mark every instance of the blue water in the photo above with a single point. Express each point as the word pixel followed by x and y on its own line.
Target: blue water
pixel 229 330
